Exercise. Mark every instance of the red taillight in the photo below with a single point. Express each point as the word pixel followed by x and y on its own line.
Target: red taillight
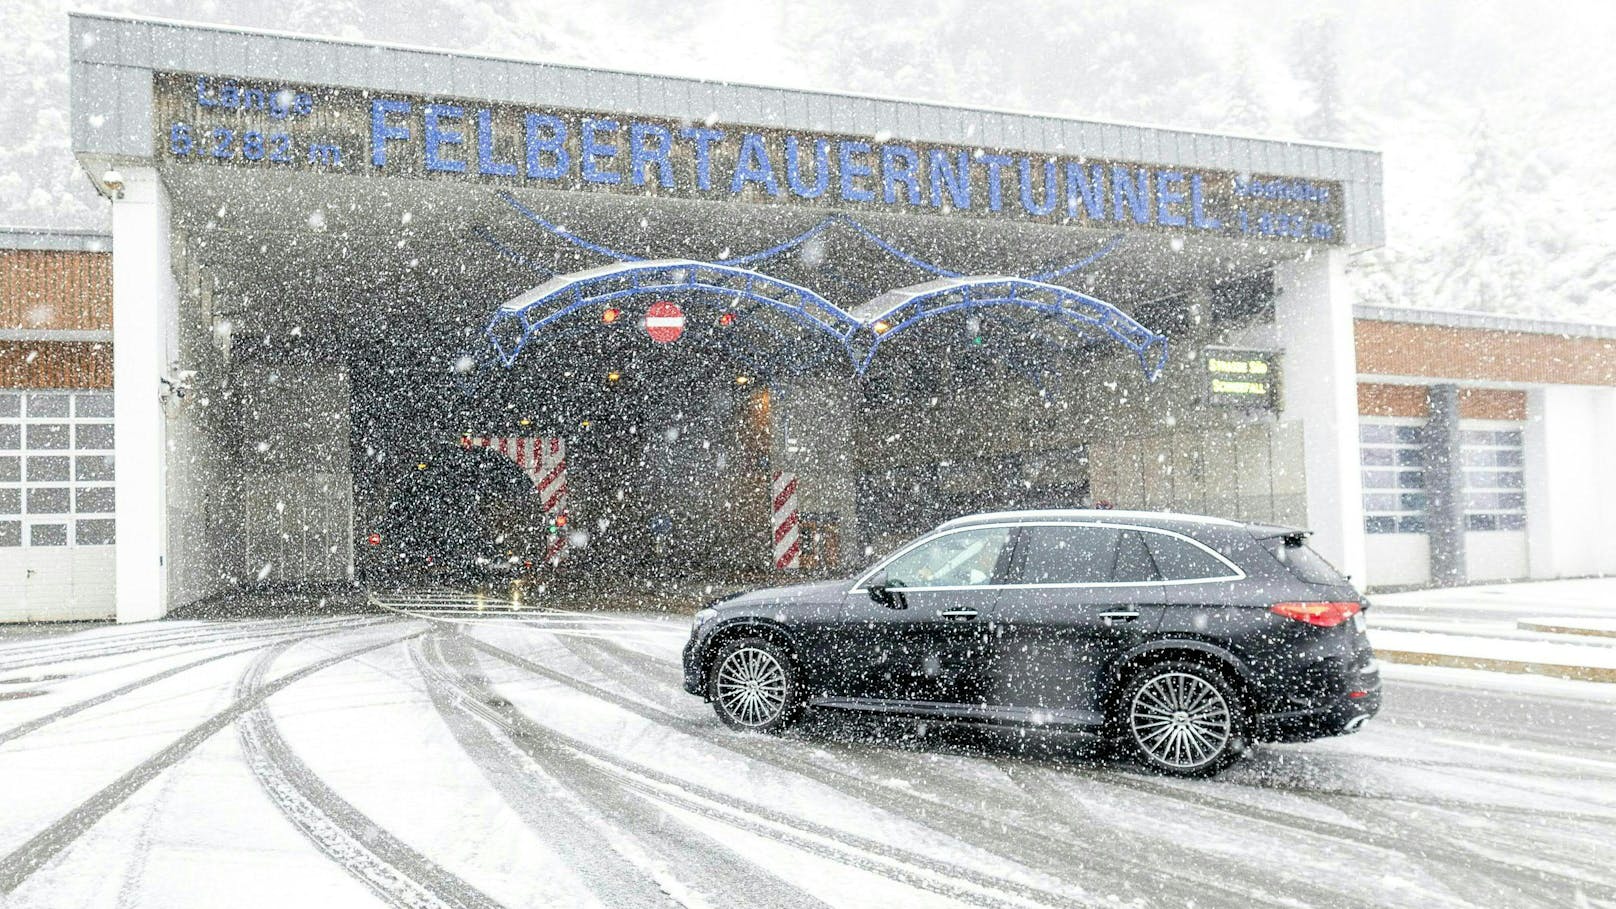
pixel 1325 615
pixel 374 539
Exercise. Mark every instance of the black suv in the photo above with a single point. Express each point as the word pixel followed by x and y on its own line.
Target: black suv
pixel 1182 638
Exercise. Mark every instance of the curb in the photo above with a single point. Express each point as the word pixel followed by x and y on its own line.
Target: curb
pixel 1553 670
pixel 1530 625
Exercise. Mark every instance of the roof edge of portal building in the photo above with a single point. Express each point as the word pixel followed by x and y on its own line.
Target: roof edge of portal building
pixel 54 239
pixel 1486 321
pixel 112 57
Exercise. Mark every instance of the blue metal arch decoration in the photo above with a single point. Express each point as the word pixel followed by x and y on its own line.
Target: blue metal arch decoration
pixel 837 219
pixel 518 319
pixel 895 312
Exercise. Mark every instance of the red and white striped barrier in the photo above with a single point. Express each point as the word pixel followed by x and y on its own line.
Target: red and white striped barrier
pixel 545 462
pixel 787 542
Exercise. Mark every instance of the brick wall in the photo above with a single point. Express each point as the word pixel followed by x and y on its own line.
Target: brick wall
pixel 49 289
pixel 1376 399
pixel 1441 352
pixel 55 364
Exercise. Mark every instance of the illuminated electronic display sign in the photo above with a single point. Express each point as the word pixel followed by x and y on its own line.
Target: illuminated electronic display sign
pixel 1240 377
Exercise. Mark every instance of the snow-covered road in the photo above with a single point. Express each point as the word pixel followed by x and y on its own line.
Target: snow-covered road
pixel 553 760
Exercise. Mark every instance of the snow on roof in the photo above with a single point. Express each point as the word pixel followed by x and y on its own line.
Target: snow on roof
pixel 1459 318
pixel 55 238
pixel 1069 513
pixel 560 282
pixel 893 299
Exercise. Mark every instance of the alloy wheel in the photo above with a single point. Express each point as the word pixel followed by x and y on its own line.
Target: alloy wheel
pixel 751 686
pixel 1180 720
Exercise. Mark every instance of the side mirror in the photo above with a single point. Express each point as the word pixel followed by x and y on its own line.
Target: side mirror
pixel 881 593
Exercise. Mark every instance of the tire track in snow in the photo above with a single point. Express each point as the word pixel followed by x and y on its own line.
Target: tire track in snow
pixel 1476 876
pixel 162 640
pixel 16 866
pixel 389 867
pixel 647 859
pixel 63 713
pixel 914 869
pixel 1059 853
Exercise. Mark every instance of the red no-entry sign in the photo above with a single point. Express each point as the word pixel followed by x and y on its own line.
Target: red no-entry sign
pixel 664 321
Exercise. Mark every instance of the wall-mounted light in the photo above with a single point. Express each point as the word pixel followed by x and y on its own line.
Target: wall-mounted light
pixel 113 181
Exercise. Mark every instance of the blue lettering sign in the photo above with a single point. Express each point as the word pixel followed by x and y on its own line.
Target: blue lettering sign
pixel 821 168
pixel 1134 195
pixel 899 164
pixel 591 150
pixel 649 144
pixel 381 132
pixel 437 137
pixel 852 168
pixel 1089 187
pixel 704 139
pixel 1051 195
pixel 1169 192
pixel 752 165
pixel 485 147
pixel 538 145
pixel 954 177
pixel 1197 213
pixel 995 165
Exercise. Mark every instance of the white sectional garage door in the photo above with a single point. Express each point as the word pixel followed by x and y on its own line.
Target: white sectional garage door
pixel 1495 499
pixel 56 506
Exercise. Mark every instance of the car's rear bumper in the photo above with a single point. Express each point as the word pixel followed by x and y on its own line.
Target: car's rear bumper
pixel 1353 697
pixel 1318 722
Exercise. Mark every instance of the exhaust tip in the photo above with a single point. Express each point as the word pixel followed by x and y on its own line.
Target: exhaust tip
pixel 1356 723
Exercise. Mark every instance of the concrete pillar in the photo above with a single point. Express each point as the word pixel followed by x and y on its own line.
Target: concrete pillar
pixel 1314 316
pixel 1444 487
pixel 1570 493
pixel 144 305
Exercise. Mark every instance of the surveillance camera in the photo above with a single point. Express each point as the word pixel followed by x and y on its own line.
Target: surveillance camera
pixel 113 181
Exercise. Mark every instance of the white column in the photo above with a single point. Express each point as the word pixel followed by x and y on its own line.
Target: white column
pixel 1570 495
pixel 144 304
pixel 1314 316
pixel 1603 441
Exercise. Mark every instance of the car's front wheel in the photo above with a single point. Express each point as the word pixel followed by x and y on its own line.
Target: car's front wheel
pixel 753 685
pixel 1182 718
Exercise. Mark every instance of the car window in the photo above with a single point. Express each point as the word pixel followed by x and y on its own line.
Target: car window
pixel 1070 554
pixel 963 559
pixel 1134 564
pixel 1180 560
pixel 1303 562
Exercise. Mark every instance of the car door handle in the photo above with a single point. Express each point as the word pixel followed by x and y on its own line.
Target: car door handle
pixel 1123 615
pixel 957 613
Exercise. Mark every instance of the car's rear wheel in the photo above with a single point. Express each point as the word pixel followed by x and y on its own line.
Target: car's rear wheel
pixel 1182 719
pixel 753 685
